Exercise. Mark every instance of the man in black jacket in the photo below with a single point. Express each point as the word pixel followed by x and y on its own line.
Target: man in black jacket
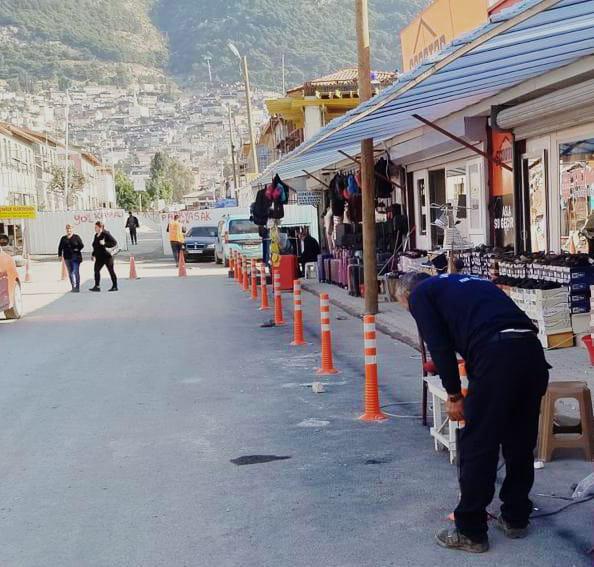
pixel 309 249
pixel 507 376
pixel 132 225
pixel 70 249
pixel 102 243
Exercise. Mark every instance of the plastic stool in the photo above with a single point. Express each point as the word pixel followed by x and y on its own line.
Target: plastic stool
pixel 311 271
pixel 548 440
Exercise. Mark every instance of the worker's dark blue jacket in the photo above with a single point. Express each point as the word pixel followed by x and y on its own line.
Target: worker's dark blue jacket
pixel 458 313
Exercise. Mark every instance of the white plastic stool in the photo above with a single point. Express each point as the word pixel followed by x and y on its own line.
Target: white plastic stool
pixel 311 271
pixel 443 430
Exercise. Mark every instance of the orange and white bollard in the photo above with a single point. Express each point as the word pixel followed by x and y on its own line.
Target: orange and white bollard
pixel 278 300
pixel 27 272
pixel 327 359
pixel 297 315
pixel 232 265
pixel 133 274
pixel 264 289
pixel 373 411
pixel 237 265
pixel 254 281
pixel 182 271
pixel 246 276
pixel 64 271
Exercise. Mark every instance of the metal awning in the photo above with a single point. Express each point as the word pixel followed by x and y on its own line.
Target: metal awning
pixel 525 41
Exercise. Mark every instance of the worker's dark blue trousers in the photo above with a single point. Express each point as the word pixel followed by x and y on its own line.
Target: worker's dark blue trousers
pixel 507 379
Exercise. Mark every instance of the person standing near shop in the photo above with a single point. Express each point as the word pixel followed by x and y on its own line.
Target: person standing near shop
pixel 309 249
pixel 132 225
pixel 507 375
pixel 103 250
pixel 176 237
pixel 70 249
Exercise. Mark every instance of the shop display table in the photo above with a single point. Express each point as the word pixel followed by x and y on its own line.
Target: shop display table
pixel 443 430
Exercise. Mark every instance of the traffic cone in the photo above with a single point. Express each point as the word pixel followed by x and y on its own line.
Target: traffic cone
pixel 327 360
pixel 231 272
pixel 27 273
pixel 239 266
pixel 297 315
pixel 278 300
pixel 264 291
pixel 373 411
pixel 182 272
pixel 254 281
pixel 246 276
pixel 133 274
pixel 64 273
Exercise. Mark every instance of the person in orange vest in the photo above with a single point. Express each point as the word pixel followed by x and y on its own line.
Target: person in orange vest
pixel 176 237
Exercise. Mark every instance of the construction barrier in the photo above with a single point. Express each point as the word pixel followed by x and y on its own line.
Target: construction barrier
pixel 373 411
pixel 278 300
pixel 264 289
pixel 133 274
pixel 297 315
pixel 182 272
pixel 237 272
pixel 327 359
pixel 254 281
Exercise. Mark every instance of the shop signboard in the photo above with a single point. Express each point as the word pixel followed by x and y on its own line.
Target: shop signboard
pixel 18 212
pixel 502 207
pixel 438 25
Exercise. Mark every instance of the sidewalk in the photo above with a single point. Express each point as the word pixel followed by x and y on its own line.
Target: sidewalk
pixel 568 363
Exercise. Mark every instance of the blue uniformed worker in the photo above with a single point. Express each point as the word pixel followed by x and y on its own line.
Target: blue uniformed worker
pixel 507 375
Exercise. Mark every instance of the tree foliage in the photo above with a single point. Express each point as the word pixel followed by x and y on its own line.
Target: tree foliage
pixel 127 198
pixel 76 183
pixel 169 179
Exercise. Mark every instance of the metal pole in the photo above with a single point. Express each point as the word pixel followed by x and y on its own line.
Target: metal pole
pixel 248 96
pixel 235 180
pixel 284 82
pixel 367 165
pixel 67 140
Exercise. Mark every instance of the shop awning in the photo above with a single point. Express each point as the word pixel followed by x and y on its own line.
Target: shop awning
pixel 525 41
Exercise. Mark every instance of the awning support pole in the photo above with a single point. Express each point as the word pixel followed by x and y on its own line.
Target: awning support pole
pixel 462 142
pixel 316 179
pixel 378 175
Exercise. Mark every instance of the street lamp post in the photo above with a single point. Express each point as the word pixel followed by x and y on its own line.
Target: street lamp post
pixel 248 97
pixel 67 144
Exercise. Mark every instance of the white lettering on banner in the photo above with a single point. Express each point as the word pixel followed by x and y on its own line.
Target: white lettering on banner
pixel 506 221
pixel 189 216
pixel 94 216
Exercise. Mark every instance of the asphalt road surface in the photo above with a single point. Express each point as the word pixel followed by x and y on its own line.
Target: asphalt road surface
pixel 162 426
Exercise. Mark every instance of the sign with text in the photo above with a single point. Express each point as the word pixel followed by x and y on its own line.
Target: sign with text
pixel 502 189
pixel 438 25
pixel 18 212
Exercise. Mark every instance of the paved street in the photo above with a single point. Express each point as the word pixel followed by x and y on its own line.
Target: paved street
pixel 120 415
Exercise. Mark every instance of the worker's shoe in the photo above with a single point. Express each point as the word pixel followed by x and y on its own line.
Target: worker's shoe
pixel 95 288
pixel 453 539
pixel 114 288
pixel 509 531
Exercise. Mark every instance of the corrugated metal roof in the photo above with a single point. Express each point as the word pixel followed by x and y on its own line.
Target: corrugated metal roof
pixel 520 43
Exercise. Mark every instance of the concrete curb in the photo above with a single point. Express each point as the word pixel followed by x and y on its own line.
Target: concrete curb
pixel 382 327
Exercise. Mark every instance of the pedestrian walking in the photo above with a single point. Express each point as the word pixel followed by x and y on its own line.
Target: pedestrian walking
pixel 176 237
pixel 507 375
pixel 104 249
pixel 132 225
pixel 70 250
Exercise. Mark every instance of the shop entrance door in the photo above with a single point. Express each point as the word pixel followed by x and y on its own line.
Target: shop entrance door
pixel 437 195
pixel 534 204
pixel 421 188
pixel 477 231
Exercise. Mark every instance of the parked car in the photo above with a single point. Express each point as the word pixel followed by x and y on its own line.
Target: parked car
pixel 11 298
pixel 200 243
pixel 237 232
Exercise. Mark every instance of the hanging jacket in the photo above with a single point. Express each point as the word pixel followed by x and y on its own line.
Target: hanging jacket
pixel 383 187
pixel 260 208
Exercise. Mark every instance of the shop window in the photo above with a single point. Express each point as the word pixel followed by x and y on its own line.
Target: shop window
pixel 534 196
pixel 576 170
pixel 475 198
pixel 456 196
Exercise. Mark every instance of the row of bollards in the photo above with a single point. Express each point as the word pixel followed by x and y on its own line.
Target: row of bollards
pixel 245 270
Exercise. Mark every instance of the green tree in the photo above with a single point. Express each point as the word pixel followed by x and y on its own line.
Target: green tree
pixel 169 179
pixel 126 196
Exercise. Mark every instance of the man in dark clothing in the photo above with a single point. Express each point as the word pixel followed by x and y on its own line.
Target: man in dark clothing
pixel 102 243
pixel 507 375
pixel 132 225
pixel 70 249
pixel 309 249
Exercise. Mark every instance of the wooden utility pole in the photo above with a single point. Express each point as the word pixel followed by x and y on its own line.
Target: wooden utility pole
pixel 367 164
pixel 248 97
